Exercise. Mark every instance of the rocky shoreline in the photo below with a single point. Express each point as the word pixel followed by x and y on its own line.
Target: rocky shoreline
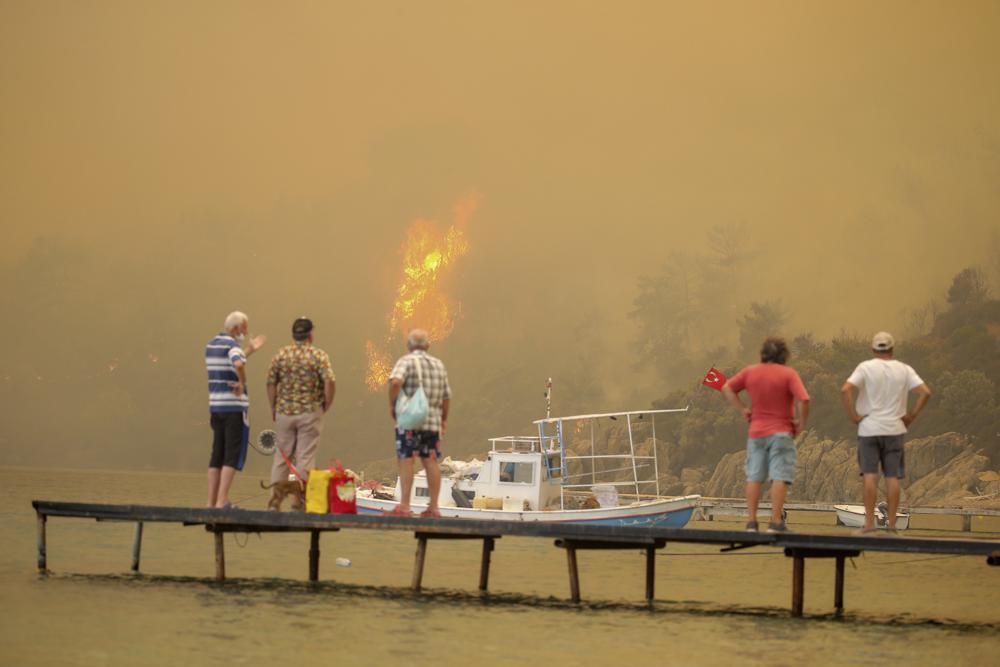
pixel 942 470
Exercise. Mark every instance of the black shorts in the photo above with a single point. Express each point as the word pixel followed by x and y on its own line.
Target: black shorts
pixel 413 443
pixel 884 449
pixel 230 435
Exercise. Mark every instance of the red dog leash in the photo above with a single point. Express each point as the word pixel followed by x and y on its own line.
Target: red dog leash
pixel 290 466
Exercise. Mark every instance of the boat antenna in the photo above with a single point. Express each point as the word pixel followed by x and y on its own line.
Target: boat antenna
pixel 548 398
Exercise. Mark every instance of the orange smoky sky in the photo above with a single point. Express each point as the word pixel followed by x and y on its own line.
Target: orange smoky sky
pixel 165 163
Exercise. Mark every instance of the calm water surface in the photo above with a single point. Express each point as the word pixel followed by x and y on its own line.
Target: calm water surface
pixel 711 609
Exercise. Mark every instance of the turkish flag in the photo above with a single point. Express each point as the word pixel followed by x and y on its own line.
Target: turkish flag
pixel 714 379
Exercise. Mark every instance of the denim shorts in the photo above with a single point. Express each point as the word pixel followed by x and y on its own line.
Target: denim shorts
pixel 771 457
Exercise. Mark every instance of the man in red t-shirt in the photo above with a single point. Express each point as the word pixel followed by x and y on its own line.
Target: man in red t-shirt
pixel 775 390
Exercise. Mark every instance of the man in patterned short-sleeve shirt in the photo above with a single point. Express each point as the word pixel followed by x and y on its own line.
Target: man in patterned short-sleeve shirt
pixel 300 388
pixel 422 441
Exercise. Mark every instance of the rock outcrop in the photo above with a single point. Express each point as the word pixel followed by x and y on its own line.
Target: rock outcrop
pixel 941 470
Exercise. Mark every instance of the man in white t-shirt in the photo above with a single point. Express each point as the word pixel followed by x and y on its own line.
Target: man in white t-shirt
pixel 883 385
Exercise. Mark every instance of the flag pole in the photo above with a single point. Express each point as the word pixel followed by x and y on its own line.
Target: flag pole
pixel 548 398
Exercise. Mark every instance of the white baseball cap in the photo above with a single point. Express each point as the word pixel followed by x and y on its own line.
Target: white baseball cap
pixel 883 342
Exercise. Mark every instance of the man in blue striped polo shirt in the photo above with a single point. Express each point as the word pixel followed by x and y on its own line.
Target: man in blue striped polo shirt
pixel 228 404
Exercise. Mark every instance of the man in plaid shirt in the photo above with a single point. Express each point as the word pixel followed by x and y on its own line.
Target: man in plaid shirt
pixel 423 441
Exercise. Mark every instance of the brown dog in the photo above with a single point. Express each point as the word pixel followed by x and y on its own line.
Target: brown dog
pixel 280 490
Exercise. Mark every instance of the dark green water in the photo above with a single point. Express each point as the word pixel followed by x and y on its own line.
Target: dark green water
pixel 711 609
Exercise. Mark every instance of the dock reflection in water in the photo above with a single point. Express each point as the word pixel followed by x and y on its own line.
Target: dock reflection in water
pixel 711 609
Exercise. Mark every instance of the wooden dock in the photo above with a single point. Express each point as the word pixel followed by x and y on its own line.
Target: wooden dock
pixel 568 536
pixel 709 508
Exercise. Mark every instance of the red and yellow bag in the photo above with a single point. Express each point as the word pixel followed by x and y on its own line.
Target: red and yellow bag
pixel 343 491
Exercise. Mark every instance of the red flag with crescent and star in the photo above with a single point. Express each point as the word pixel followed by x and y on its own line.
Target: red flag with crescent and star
pixel 715 379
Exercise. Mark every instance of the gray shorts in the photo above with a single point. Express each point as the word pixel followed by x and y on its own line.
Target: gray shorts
pixel 884 449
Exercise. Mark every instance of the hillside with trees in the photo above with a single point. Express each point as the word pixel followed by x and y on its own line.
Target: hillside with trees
pixel 957 354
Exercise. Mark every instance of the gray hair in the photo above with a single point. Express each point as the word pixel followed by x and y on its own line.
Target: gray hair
pixel 234 319
pixel 417 340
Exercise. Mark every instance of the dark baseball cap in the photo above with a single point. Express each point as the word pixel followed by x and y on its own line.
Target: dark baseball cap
pixel 301 328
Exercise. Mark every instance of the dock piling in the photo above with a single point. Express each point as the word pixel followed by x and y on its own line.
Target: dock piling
pixel 838 586
pixel 42 563
pixel 314 555
pixel 798 584
pixel 574 575
pixel 418 563
pixel 650 572
pixel 136 546
pixel 220 555
pixel 484 570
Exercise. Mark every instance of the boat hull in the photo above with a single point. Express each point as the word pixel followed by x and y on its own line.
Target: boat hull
pixel 853 516
pixel 666 512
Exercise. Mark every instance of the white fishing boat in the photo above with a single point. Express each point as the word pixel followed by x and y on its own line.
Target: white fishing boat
pixel 853 516
pixel 537 478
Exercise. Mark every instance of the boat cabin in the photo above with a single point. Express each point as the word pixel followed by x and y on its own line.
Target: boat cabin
pixel 517 474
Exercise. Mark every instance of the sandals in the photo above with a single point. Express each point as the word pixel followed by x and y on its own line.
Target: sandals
pixel 396 511
pixel 426 514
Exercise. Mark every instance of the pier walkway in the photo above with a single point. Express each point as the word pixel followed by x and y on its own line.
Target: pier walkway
pixel 568 536
pixel 709 508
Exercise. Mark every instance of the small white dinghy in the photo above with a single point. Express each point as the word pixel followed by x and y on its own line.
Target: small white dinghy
pixel 853 516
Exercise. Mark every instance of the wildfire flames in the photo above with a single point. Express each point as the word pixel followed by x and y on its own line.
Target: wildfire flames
pixel 379 367
pixel 420 299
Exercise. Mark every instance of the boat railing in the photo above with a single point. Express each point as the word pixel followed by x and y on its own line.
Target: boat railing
pixel 593 474
pixel 559 466
pixel 524 444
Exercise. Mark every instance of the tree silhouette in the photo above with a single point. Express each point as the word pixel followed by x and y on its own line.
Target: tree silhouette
pixel 762 320
pixel 968 287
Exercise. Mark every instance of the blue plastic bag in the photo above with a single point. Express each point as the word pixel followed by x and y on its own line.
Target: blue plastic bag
pixel 411 411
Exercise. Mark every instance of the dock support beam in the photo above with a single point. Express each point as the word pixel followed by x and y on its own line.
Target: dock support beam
pixel 571 545
pixel 838 586
pixel 799 556
pixel 484 569
pixel 42 562
pixel 220 556
pixel 314 555
pixel 966 523
pixel 650 573
pixel 574 574
pixel 798 584
pixel 418 563
pixel 136 546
